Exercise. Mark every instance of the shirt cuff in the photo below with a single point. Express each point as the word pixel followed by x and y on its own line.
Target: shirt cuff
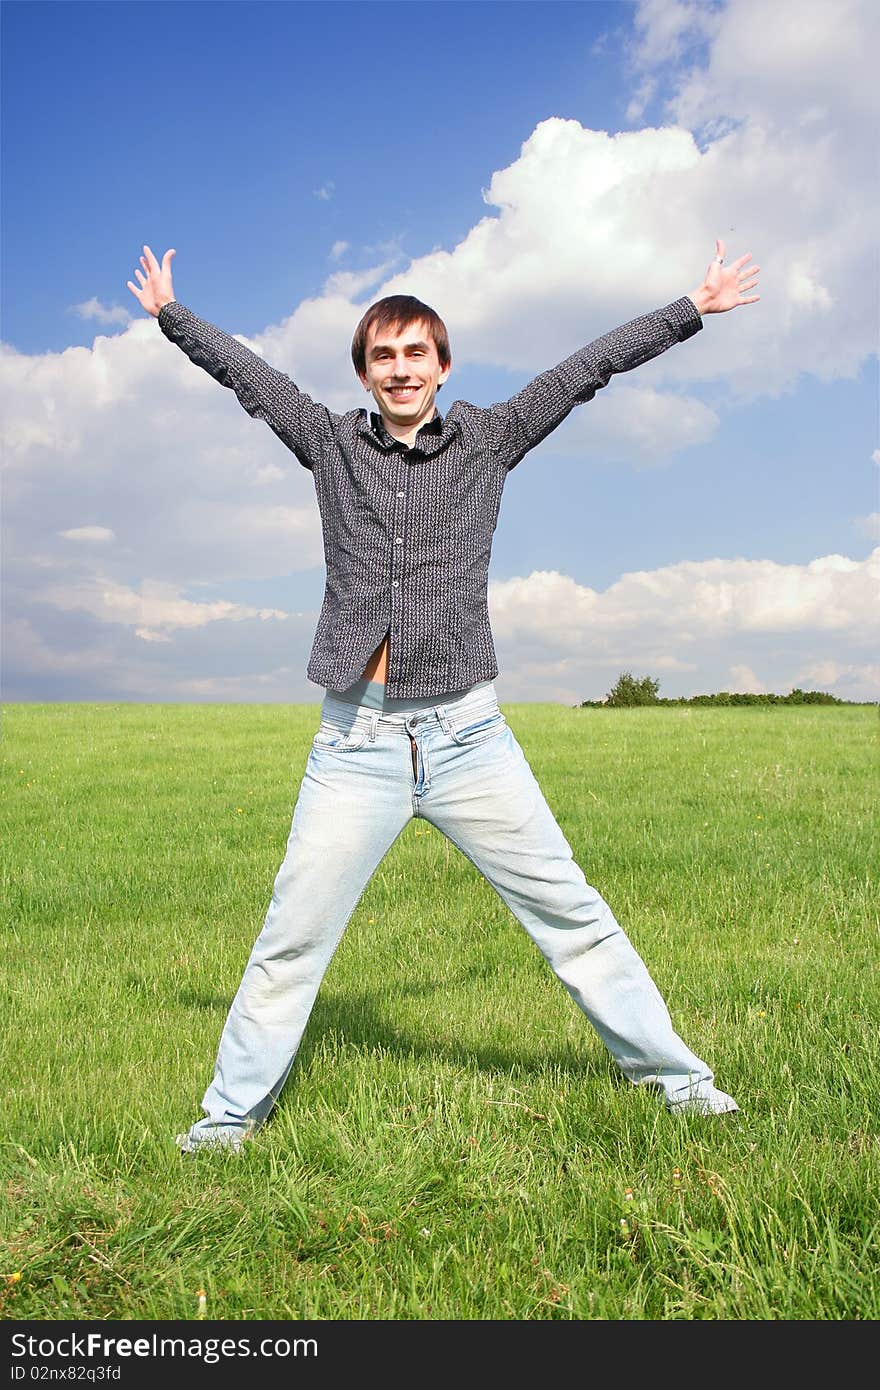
pixel 169 313
pixel 691 306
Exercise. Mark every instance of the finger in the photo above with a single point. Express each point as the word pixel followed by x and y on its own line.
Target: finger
pixel 166 259
pixel 741 260
pixel 151 259
pixel 135 291
pixel 750 285
pixel 719 248
pixel 142 279
pixel 752 270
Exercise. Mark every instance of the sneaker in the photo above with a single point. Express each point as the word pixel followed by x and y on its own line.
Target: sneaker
pixel 217 1143
pixel 711 1103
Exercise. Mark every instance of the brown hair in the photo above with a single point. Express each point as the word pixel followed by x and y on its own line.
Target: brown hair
pixel 398 311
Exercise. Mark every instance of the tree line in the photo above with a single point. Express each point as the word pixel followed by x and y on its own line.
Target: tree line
pixel 629 690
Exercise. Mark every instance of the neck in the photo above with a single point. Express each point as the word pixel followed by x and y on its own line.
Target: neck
pixel 405 433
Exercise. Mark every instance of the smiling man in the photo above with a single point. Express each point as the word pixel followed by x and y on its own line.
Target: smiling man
pixel 402 363
pixel 410 723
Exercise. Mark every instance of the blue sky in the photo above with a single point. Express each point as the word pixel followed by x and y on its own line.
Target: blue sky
pixel 539 172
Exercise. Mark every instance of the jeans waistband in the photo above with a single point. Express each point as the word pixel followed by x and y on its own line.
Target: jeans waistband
pixel 478 700
pixel 371 695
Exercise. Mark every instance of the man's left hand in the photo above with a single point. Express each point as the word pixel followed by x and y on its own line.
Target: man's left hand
pixel 726 287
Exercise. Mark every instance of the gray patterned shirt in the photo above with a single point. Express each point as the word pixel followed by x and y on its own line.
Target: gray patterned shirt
pixel 408 530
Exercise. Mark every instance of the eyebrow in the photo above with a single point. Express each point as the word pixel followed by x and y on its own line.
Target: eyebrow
pixel 407 347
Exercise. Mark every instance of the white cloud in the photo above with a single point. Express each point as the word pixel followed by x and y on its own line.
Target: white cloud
pixel 89 534
pixel 665 29
pixel 640 426
pixel 700 620
pixel 70 655
pixel 798 64
pixel 191 487
pixel 869 525
pixel 101 313
pixel 744 681
pixel 325 192
pixel 350 284
pixel 698 597
pixel 153 613
pixel 588 228
pixel 338 250
pixel 840 678
pixel 640 100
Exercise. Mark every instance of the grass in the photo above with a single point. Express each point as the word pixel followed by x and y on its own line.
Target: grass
pixel 453 1142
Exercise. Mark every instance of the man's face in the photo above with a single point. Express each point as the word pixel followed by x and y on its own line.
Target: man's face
pixel 403 374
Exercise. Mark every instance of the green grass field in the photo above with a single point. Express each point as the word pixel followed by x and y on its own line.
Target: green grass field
pixel 453 1142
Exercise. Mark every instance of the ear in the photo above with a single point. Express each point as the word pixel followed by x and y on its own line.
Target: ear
pixel 444 373
pixel 363 381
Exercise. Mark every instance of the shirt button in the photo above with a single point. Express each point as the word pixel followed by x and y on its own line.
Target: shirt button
pixel 395 583
pixel 398 540
pixel 401 494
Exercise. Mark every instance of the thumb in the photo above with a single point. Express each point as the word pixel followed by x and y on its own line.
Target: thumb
pixel 166 259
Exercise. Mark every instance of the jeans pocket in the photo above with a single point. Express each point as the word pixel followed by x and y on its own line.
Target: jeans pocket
pixel 340 739
pixel 477 728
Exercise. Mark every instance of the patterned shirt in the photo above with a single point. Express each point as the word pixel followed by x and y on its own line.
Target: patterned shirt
pixel 408 530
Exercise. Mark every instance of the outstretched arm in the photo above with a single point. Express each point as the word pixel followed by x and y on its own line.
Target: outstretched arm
pixel 265 393
pixel 726 289
pixel 517 425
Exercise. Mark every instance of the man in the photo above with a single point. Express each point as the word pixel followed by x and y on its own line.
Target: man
pixel 410 723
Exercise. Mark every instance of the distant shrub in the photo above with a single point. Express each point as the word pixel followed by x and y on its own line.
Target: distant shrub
pixel 629 691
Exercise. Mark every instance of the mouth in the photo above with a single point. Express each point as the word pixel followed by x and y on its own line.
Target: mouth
pixel 401 393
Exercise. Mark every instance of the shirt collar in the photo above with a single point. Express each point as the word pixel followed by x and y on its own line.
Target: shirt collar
pixel 427 439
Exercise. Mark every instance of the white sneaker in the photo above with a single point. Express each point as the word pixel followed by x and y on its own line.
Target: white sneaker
pixel 711 1103
pixel 215 1143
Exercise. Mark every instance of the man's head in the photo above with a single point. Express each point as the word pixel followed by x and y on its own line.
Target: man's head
pixel 400 352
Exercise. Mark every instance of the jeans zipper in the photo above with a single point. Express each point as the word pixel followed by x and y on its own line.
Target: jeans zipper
pixel 415 758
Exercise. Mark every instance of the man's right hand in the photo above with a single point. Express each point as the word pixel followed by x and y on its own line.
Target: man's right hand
pixel 155 285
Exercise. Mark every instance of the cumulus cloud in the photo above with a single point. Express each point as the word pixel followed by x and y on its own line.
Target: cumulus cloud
pixel 711 620
pixel 764 143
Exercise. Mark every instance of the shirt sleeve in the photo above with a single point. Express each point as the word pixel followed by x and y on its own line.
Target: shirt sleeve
pixel 266 394
pixel 522 422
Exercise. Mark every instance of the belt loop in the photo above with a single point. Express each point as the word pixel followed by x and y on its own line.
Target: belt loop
pixel 374 724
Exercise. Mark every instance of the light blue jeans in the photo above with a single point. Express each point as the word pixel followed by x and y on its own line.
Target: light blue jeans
pixel 458 766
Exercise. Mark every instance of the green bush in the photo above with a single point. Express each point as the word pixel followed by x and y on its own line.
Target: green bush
pixel 629 691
